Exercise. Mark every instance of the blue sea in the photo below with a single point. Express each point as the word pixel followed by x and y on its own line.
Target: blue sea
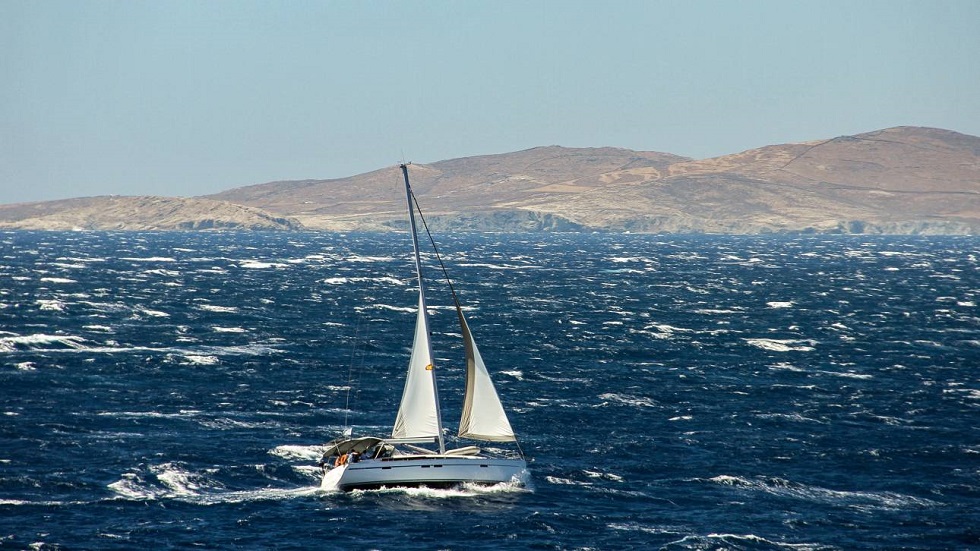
pixel 173 390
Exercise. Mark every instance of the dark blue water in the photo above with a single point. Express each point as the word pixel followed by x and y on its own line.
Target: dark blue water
pixel 171 390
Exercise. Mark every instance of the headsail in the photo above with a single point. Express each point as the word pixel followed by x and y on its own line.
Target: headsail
pixel 483 414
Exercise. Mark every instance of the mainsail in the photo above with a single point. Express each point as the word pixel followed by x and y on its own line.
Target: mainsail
pixel 483 414
pixel 418 415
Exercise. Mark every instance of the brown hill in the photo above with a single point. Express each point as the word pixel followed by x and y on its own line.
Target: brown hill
pixel 139 213
pixel 485 192
pixel 899 180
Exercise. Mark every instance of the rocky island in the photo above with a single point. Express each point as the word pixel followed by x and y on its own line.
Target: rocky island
pixel 904 180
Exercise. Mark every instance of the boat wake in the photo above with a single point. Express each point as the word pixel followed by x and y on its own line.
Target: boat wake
pixel 172 481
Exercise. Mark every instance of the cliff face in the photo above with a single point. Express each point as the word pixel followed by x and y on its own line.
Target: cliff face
pixel 139 213
pixel 899 180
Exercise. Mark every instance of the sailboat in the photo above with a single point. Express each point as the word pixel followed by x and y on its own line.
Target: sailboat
pixel 415 454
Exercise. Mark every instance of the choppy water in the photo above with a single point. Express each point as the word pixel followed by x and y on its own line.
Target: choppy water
pixel 170 390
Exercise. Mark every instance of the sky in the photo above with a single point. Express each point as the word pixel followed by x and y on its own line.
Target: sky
pixel 186 98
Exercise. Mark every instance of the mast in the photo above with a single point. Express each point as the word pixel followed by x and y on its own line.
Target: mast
pixel 423 312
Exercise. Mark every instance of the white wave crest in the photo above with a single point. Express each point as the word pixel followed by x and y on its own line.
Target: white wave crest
pixel 50 304
pixel 291 452
pixel 150 259
pixel 218 329
pixel 173 481
pixel 194 359
pixel 58 280
pixel 782 345
pixel 855 499
pixel 216 308
pixel 395 308
pixel 358 258
pixel 628 399
pixel 257 265
pixel 740 541
pixel 37 342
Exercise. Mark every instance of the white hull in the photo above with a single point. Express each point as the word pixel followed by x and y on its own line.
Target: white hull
pixel 425 470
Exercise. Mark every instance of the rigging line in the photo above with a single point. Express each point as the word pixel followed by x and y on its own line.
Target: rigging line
pixel 435 248
pixel 350 369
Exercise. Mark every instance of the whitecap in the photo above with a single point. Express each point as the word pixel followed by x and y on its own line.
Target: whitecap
pixel 131 486
pixel 565 481
pixel 489 266
pixel 248 496
pixel 358 258
pixel 395 308
pixel 257 265
pixel 162 272
pixel 847 374
pixel 218 329
pixel 50 304
pixel 150 259
pixel 796 417
pixel 34 342
pixel 194 359
pixel 787 367
pixel 667 329
pixel 780 304
pixel 216 308
pixel 291 452
pixel 606 476
pixel 857 499
pixel 716 311
pixel 179 481
pixel 58 280
pixel 628 399
pixel 782 345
